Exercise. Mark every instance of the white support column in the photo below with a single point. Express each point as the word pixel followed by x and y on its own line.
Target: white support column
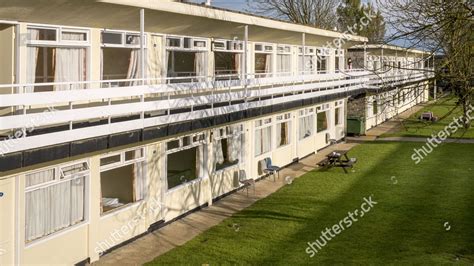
pixel 303 40
pixel 142 45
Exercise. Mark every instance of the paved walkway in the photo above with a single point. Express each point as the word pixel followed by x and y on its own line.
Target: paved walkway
pixel 179 232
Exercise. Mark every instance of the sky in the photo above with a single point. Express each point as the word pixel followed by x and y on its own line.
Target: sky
pixel 239 5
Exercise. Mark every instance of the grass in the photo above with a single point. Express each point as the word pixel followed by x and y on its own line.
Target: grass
pixel 405 227
pixel 445 109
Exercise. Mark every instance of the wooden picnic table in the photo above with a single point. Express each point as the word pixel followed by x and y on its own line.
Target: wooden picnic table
pixel 338 158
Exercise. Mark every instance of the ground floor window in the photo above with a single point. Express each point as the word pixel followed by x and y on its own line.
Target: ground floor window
pixel 122 179
pixel 283 130
pixel 375 108
pixel 263 136
pixel 322 121
pixel 55 199
pixel 185 160
pixel 306 123
pixel 227 146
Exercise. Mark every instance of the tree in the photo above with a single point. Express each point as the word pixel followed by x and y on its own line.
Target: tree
pixel 443 27
pixel 317 13
pixel 351 12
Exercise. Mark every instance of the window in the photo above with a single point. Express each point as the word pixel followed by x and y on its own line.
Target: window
pixel 263 136
pixel 185 163
pixel 122 179
pixel 338 116
pixel 54 199
pixel 263 63
pixel 227 146
pixel 322 121
pixel 283 130
pixel 56 54
pixel 375 108
pixel 283 63
pixel 306 123
pixel 322 63
pixel 111 38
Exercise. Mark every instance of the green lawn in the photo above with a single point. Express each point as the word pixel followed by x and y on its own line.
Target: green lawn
pixel 405 227
pixel 445 109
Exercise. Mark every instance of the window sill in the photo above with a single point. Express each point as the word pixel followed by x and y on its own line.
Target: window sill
pixel 228 168
pixel 190 183
pixel 120 209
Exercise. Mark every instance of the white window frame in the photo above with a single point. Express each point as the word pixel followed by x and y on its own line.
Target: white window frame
pixel 306 113
pixel 264 46
pixel 57 180
pixel 226 47
pixel 124 40
pixel 203 141
pixel 261 124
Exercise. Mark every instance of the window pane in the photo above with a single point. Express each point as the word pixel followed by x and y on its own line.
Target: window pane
pixel 182 167
pixel 110 160
pixel 322 121
pixel 306 127
pixel 263 140
pixel 39 178
pixel 73 36
pixel 227 152
pixel 132 39
pixel 74 169
pixel 42 34
pixel 111 38
pixel 283 134
pixel 173 42
pixel 337 116
pixel 172 144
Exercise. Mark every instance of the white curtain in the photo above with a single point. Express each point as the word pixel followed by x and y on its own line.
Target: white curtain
pixel 134 66
pixel 53 207
pixel 301 64
pixel 39 178
pixel 200 64
pixel 218 153
pixel 263 138
pixel 284 64
pixel 70 67
pixel 32 53
pixel 306 126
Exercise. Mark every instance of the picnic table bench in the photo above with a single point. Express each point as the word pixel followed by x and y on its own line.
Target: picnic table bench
pixel 338 158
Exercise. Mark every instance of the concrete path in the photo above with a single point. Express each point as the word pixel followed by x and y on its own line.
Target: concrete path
pixel 179 232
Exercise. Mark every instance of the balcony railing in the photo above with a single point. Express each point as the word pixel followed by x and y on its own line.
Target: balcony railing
pixel 77 113
pixel 397 78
